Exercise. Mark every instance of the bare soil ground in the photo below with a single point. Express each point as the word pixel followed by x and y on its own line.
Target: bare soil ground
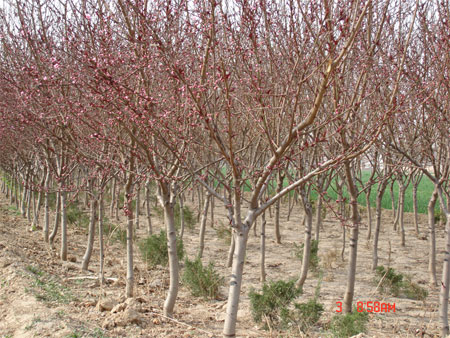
pixel 42 297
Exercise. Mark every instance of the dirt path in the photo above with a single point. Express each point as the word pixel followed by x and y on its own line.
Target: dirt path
pixel 41 297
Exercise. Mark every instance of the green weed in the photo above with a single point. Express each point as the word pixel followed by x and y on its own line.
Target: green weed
pixel 313 257
pixel 349 324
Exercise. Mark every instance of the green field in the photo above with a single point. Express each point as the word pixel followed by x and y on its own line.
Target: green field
pixel 424 191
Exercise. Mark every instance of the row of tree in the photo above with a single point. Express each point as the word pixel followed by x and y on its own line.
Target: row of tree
pixel 246 100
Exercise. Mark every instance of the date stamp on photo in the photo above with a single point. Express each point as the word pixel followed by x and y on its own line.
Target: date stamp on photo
pixel 370 306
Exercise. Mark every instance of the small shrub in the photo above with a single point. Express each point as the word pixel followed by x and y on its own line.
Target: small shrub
pixel 313 257
pixel 203 281
pixel 398 285
pixel 303 316
pixel 154 249
pixel 349 324
pixel 391 281
pixel 273 301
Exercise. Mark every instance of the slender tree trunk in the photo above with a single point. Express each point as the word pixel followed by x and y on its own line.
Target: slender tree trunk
pixel 148 208
pixel 168 205
pixel 203 225
pixel 128 208
pixel 46 207
pixel 349 293
pixel 16 192
pixel 113 198
pixel 91 235
pixel 307 244
pixel 138 205
pixel 432 240
pixel 445 283
pixel 57 218
pixel 369 215
pixel 23 204
pixel 212 210
pixel 415 208
pixel 380 192
pixel 117 197
pixel 31 199
pixel 318 216
pixel 182 221
pixel 277 209
pixel 263 248
pixel 63 226
pixel 241 236
pixel 401 213
pixel 100 238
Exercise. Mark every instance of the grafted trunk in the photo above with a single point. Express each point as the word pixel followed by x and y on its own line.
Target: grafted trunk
pixel 380 192
pixel 307 244
pixel 241 237
pixel 432 239
pixel 263 248
pixel 57 218
pixel 91 235
pixel 203 225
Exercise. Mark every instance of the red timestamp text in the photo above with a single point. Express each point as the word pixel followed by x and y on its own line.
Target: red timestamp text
pixel 370 306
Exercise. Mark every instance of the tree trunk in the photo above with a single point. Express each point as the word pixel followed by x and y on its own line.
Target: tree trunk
pixel 241 236
pixel 432 240
pixel 369 215
pixel 182 222
pixel 415 208
pixel 113 198
pixel 168 205
pixel 307 244
pixel 46 207
pixel 128 209
pixel 231 250
pixel 203 225
pixel 349 293
pixel 100 239
pixel 138 205
pixel 148 208
pixel 63 226
pixel 263 248
pixel 318 216
pixel 117 197
pixel 57 218
pixel 445 283
pixel 380 192
pixel 277 208
pixel 401 213
pixel 91 235
pixel 212 210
